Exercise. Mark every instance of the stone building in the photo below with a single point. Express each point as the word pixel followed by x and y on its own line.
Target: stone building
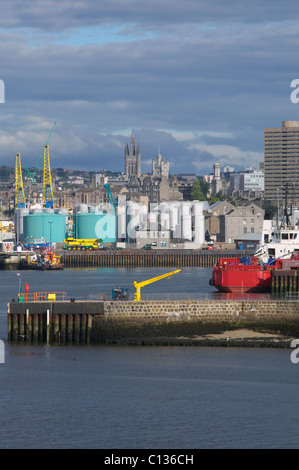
pixel 160 189
pixel 160 167
pixel 89 196
pixel 248 218
pixel 214 231
pixel 216 185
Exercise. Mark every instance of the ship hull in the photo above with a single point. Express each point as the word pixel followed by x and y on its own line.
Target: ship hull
pixel 241 279
pixel 242 282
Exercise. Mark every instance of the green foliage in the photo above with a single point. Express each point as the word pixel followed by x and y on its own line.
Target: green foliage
pixel 270 211
pixel 221 197
pixel 199 190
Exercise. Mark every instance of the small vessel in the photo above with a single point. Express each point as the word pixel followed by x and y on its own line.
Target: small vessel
pixel 47 260
pixel 14 259
pixel 37 243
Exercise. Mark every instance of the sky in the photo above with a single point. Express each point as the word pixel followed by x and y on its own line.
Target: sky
pixel 197 81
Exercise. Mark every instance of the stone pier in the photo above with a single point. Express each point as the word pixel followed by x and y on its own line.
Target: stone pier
pixel 107 321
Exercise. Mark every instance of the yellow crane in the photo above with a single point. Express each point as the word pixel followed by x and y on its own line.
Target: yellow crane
pixel 19 188
pixel 48 200
pixel 138 285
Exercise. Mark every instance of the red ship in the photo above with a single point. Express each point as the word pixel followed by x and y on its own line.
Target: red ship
pixel 241 275
pixel 248 275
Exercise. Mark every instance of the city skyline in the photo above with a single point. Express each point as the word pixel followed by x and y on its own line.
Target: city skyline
pixel 198 80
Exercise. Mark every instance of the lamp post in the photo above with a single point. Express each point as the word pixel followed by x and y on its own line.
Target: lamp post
pixel 20 279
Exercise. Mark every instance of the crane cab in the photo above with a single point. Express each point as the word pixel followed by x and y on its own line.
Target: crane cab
pixel 120 294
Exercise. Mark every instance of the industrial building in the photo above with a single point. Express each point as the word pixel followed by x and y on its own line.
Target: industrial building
pixel 128 224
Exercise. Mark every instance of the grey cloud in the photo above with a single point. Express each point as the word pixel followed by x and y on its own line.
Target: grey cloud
pixel 226 79
pixel 63 15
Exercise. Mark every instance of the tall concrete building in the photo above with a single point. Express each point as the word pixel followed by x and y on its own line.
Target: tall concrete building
pixel 281 162
pixel 132 159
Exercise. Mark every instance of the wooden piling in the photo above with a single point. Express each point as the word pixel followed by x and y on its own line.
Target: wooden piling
pixel 69 328
pixel 141 259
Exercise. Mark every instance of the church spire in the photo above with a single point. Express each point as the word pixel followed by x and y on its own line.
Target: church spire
pixel 132 144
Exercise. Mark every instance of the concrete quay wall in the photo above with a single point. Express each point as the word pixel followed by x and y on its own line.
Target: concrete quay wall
pixel 108 321
pixel 206 311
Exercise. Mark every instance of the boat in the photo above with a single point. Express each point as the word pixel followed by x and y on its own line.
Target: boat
pixel 36 244
pixel 279 251
pixel 283 241
pixel 253 275
pixel 246 275
pixel 14 259
pixel 282 244
pixel 47 260
pixel 242 275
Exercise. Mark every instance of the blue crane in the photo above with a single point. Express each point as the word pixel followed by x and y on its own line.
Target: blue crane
pixel 110 197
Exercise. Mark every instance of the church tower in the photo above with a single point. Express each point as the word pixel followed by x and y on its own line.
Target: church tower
pixel 132 159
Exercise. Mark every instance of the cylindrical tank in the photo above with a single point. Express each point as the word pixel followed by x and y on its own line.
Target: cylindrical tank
pixel 96 225
pixel 104 207
pixel 121 222
pixel 50 226
pixel 83 208
pixel 19 223
pixel 164 216
pixel 186 221
pixel 198 222
pixel 61 211
pixel 133 219
pixel 174 219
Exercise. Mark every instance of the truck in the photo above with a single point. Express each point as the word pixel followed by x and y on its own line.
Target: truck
pixel 82 244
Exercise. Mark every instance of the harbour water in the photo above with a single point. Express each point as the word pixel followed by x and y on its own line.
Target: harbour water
pixel 116 397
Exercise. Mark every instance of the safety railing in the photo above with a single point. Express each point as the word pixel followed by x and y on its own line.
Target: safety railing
pixel 41 296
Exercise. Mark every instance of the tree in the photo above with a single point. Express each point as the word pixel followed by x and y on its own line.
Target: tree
pixel 199 190
pixel 270 211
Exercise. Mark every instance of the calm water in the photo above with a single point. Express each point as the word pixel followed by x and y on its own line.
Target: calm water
pixel 112 397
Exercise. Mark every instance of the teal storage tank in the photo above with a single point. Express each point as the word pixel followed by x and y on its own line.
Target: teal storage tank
pixel 96 225
pixel 50 226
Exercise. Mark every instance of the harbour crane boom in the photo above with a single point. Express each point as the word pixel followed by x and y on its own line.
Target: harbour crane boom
pixel 138 285
pixel 19 188
pixel 48 200
pixel 40 158
pixel 110 197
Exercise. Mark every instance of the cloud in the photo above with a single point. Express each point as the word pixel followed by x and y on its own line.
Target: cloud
pixel 226 155
pixel 60 16
pixel 200 79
